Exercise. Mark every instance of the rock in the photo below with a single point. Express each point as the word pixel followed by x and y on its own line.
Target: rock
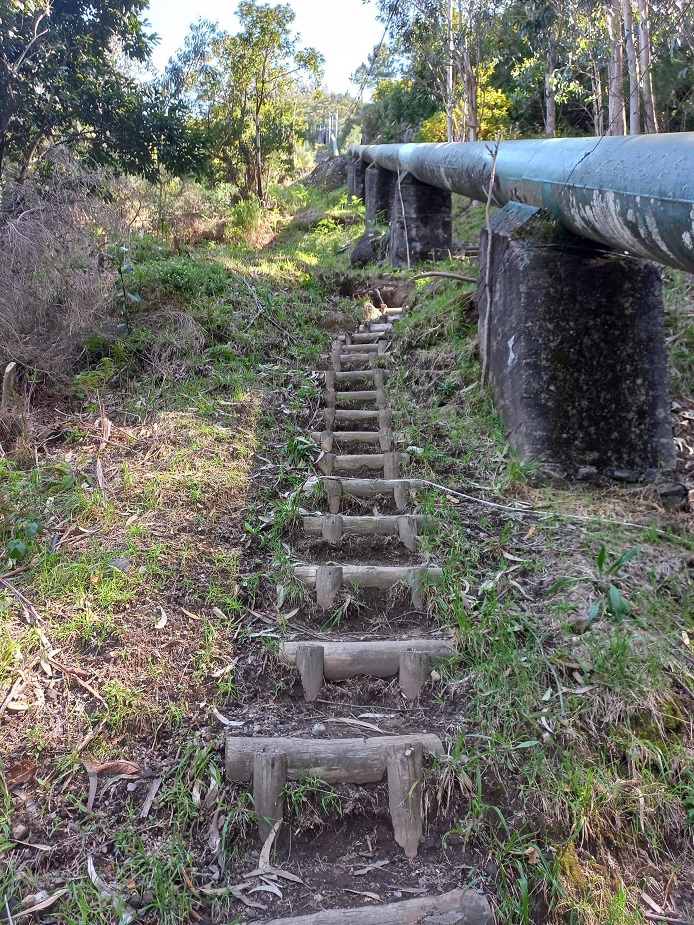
pixel 580 624
pixel 19 832
pixel 366 249
pixel 121 564
pixel 674 495
pixel 330 174
pixel 318 730
pixel 307 219
pixel 548 474
pixel 587 474
pixel 625 475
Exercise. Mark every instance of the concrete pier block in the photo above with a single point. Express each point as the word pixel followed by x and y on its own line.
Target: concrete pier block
pixel 420 223
pixel 356 170
pixel 379 184
pixel 575 348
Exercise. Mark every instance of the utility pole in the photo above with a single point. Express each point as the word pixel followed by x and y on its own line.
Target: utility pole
pixel 449 74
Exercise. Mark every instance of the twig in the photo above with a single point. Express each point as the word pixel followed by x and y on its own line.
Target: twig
pixel 488 266
pixel 668 919
pixel 444 275
pixel 262 310
pixel 7 912
pixel 27 606
pixel 538 512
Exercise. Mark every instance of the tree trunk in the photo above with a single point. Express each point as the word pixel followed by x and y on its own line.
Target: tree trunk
pixel 598 111
pixel 258 159
pixel 449 73
pixel 550 99
pixel 644 31
pixel 615 72
pixel 632 70
pixel 470 86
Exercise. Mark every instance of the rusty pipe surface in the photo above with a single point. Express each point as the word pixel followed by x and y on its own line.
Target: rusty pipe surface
pixel 633 193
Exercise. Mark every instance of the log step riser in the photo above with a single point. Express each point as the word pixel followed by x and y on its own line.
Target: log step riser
pixel 333 527
pixel 320 662
pixel 390 463
pixel 328 579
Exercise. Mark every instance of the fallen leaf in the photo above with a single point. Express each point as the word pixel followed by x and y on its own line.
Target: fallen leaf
pixel 45 904
pixel 20 773
pixel 369 867
pixel 116 767
pixel 686 640
pixel 227 722
pixel 266 888
pixel 264 859
pixel 349 721
pixel 368 895
pixel 532 855
pixel 149 799
pixel 162 621
pixel 530 532
pixel 93 782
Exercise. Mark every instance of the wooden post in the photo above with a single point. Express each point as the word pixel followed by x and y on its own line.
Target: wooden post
pixel 414 671
pixel 407 531
pixel 309 661
pixel 333 492
pixel 391 465
pixel 7 393
pixel 328 583
pixel 269 780
pixel 332 528
pixel 401 495
pixel 405 796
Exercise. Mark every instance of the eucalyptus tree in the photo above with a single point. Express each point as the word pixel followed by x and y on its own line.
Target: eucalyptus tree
pixel 244 87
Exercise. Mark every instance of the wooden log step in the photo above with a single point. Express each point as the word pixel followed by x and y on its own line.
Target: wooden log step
pixel 333 417
pixel 327 439
pixel 367 337
pixel 364 348
pixel 359 375
pixel 398 489
pixel 369 396
pixel 349 761
pixel 459 907
pixel 333 527
pixel 377 658
pixel 330 463
pixel 328 579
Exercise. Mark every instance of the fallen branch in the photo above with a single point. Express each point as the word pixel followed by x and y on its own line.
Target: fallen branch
pixel 445 275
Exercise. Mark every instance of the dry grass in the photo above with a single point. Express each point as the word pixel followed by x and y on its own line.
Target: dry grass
pixel 52 290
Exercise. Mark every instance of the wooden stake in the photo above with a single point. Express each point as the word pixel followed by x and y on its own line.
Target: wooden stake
pixel 333 493
pixel 414 672
pixel 331 527
pixel 405 796
pixel 309 661
pixel 269 781
pixel 7 393
pixel 328 584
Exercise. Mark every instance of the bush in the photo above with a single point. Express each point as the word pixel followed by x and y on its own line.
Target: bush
pixel 246 215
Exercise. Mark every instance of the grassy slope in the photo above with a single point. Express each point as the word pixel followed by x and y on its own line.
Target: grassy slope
pixel 571 747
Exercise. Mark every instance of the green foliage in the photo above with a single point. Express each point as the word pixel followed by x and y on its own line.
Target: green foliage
pixel 244 87
pixel 184 276
pixel 60 83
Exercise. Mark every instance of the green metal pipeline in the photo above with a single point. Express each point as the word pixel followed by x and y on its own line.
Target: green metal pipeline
pixel 633 193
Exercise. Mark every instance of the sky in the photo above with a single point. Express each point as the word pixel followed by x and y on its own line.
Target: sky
pixel 344 31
